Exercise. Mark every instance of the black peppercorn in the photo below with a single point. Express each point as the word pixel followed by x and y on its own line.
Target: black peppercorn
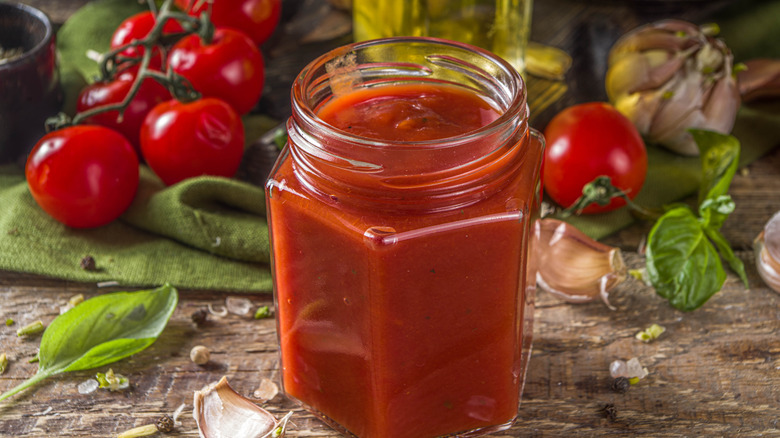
pixel 165 423
pixel 610 411
pixel 620 384
pixel 88 263
pixel 199 317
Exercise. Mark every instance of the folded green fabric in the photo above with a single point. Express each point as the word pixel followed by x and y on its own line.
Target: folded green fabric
pixel 200 217
pixel 221 216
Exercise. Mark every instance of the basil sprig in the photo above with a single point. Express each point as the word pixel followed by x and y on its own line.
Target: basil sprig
pixel 683 258
pixel 102 330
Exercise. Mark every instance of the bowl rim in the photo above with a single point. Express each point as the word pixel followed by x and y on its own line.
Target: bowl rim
pixel 41 45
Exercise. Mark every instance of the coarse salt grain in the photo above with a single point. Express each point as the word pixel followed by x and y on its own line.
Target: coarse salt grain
pixel 88 386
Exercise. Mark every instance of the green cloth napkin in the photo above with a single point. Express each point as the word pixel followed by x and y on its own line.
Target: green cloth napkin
pixel 215 236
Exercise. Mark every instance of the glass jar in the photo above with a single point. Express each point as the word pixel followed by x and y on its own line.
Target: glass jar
pixel 403 298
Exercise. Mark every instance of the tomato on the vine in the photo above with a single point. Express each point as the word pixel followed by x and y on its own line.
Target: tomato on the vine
pixel 184 140
pixel 83 176
pixel 150 94
pixel 137 27
pixel 230 68
pixel 256 18
pixel 589 140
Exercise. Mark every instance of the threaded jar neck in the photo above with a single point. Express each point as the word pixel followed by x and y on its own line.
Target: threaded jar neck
pixel 437 174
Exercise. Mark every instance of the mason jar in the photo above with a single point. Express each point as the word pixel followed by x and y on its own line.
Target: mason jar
pixel 400 211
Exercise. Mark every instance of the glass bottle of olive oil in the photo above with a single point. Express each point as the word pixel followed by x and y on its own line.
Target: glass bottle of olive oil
pixel 501 26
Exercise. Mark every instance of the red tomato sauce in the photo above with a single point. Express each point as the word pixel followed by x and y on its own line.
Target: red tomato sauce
pixel 409 113
pixel 408 323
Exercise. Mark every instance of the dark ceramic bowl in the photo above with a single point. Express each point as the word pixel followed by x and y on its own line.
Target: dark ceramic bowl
pixel 29 84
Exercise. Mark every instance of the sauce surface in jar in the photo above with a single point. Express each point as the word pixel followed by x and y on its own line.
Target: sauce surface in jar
pixel 414 112
pixel 408 322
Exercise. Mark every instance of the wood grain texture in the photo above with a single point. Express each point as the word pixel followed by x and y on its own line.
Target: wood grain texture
pixel 714 372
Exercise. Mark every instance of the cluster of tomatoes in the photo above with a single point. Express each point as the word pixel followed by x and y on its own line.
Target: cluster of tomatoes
pixel 87 175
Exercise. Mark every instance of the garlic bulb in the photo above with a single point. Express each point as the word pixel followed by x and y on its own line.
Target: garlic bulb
pixel 573 266
pixel 767 251
pixel 670 76
pixel 221 412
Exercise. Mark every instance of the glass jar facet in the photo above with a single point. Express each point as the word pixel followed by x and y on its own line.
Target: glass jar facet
pixel 400 266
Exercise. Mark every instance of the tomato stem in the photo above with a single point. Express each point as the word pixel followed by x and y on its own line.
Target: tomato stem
pixel 601 191
pixel 113 60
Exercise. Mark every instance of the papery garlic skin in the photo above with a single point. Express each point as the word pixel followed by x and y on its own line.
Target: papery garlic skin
pixel 670 76
pixel 767 251
pixel 221 412
pixel 573 266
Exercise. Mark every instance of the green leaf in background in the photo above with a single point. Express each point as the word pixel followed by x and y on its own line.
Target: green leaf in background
pixel 91 28
pixel 102 330
pixel 719 161
pixel 682 264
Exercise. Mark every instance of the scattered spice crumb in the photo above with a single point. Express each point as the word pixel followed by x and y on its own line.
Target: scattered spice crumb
pixel 9 322
pixel 262 312
pixel 145 430
pixel 112 381
pixel 200 355
pixel 88 263
pixel 266 391
pixel 620 384
pixel 88 386
pixel 651 333
pixel 610 412
pixel 31 329
pixel 177 413
pixel 108 283
pixel 165 424
pixel 200 317
pixel 74 301
pixel 222 313
pixel 238 305
pixel 3 363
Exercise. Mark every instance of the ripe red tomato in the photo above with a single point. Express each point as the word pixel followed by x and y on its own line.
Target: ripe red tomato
pixel 150 94
pixel 83 176
pixel 230 68
pixel 184 140
pixel 138 27
pixel 256 18
pixel 587 141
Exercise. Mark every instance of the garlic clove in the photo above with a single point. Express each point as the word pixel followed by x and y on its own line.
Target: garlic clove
pixel 221 412
pixel 767 251
pixel 760 79
pixel 573 266
pixel 719 117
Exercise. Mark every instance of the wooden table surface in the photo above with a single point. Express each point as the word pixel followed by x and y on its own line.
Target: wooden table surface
pixel 715 372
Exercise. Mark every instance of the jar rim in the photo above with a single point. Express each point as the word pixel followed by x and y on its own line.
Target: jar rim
pixel 517 105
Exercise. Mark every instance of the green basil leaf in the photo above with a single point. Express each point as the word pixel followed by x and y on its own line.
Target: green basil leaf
pixel 682 264
pixel 728 254
pixel 719 160
pixel 714 212
pixel 102 330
